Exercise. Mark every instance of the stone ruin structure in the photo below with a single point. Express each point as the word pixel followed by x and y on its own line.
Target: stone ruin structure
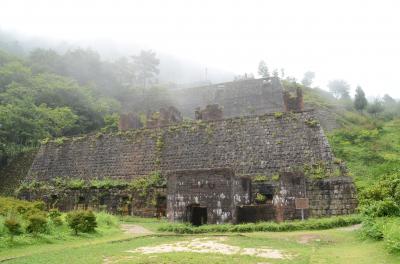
pixel 211 112
pixel 164 117
pixel 274 166
pixel 129 121
pixel 248 97
pixel 293 103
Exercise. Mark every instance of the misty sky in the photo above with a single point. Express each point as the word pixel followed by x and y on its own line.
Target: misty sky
pixel 358 41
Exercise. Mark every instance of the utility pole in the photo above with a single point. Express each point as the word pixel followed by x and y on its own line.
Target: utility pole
pixel 206 72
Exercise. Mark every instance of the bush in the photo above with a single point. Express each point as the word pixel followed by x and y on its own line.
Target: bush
pixel 13 226
pixel 37 224
pixel 24 208
pixel 392 239
pixel 387 207
pixel 371 229
pixel 81 221
pixel 310 224
pixel 105 219
pixel 55 217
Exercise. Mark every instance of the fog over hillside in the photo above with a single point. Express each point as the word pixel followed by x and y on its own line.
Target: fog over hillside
pixel 174 70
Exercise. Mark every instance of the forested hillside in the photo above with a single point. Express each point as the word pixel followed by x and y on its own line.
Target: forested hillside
pixel 47 94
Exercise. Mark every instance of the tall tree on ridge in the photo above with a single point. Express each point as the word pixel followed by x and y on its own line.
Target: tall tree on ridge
pixel 360 102
pixel 146 65
pixel 263 70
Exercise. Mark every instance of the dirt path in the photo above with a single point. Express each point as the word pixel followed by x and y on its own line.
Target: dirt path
pixel 351 228
pixel 135 229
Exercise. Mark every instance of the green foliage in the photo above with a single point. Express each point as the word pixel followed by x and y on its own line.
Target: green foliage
pixel 392 239
pixel 260 178
pixel 371 229
pixel 107 183
pixel 381 198
pixel 76 184
pixel 360 102
pixel 21 207
pixel 81 221
pixel 316 171
pixel 312 122
pixel 310 224
pixel 13 226
pixel 275 177
pixel 260 198
pixel 107 220
pixel 159 143
pixel 375 108
pixel 386 229
pixel 55 217
pixel 111 122
pixel 278 115
pixel 143 185
pixel 37 223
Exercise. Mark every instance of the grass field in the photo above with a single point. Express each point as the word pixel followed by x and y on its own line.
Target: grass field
pixel 342 245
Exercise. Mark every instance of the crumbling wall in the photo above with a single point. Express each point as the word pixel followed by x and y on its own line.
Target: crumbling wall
pixel 215 189
pixel 292 185
pixel 117 200
pixel 238 98
pixel 129 121
pixel 326 197
pixel 165 117
pixel 265 145
pixel 334 196
pixel 293 102
pixel 211 112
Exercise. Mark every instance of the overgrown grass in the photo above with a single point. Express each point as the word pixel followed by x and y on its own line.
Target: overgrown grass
pixel 384 228
pixel 54 231
pixel 310 224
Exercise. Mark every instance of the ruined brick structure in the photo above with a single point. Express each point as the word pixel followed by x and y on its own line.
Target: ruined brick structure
pixel 281 147
pixel 248 97
pixel 166 116
pixel 238 98
pixel 293 103
pixel 129 121
pixel 211 112
pixel 252 145
pixel 208 195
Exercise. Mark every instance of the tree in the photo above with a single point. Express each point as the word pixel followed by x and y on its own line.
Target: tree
pixel 81 221
pixel 275 73
pixel 146 65
pixel 308 78
pixel 282 73
pixel 360 102
pixel 49 61
pixel 388 100
pixel 375 108
pixel 339 88
pixel 263 70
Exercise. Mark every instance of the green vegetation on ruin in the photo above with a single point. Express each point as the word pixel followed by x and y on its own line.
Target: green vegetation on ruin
pixel 141 185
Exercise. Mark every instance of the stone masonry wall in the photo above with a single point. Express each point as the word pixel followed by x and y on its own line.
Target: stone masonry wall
pixel 248 145
pixel 246 97
pixel 215 189
pixel 334 196
pixel 121 200
pixel 239 98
